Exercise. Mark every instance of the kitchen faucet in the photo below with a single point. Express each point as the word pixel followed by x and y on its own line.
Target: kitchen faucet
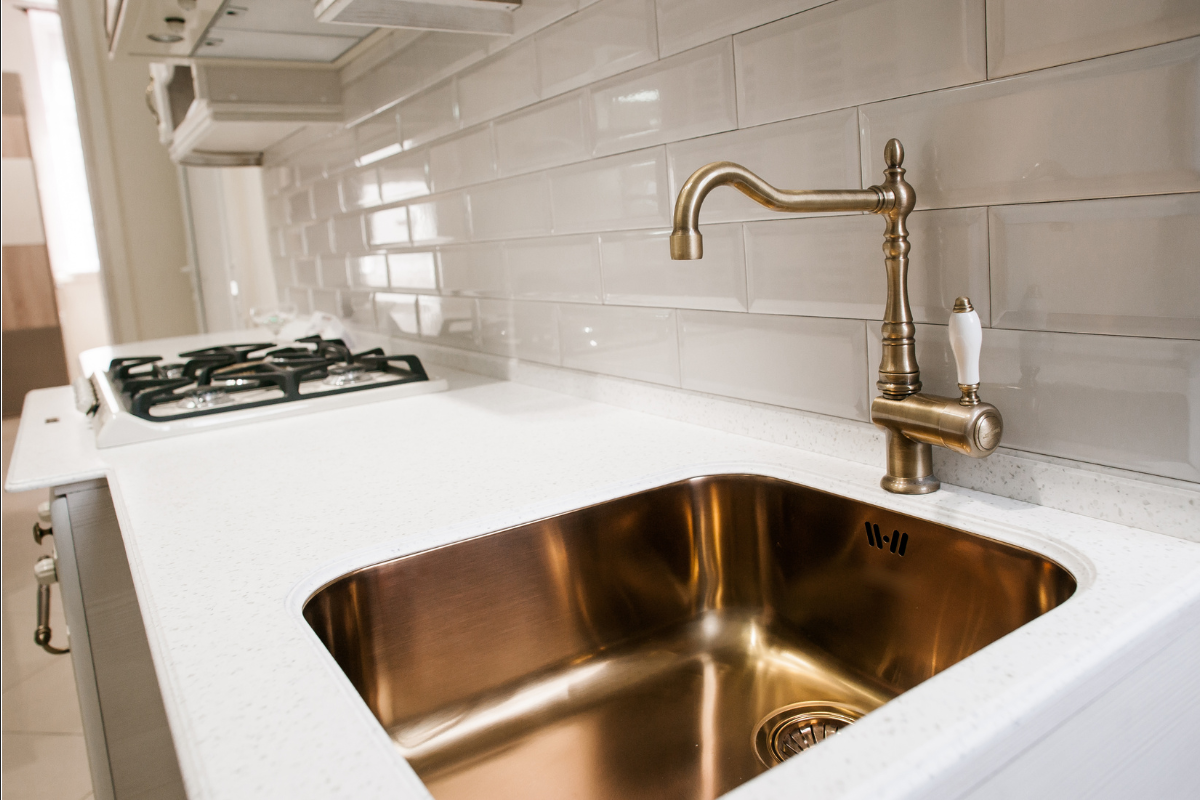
pixel 914 421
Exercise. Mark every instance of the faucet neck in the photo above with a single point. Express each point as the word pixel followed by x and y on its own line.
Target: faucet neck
pixel 899 375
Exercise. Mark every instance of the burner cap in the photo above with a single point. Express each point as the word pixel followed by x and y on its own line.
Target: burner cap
pixel 205 397
pixel 346 375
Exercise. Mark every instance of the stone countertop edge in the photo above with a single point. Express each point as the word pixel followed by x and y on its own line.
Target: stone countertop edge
pixel 258 709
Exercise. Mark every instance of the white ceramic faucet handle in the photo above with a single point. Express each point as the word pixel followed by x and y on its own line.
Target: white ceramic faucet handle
pixel 966 338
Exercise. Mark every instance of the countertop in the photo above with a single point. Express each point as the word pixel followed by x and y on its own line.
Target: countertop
pixel 229 531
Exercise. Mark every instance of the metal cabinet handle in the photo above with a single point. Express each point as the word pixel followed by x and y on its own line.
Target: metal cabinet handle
pixel 46 572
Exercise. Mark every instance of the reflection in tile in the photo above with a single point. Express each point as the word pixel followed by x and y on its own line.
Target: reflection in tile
pixel 511 208
pixel 500 84
pixel 396 314
pixel 833 266
pixel 857 51
pixel 599 41
pixel 462 161
pixel 358 310
pixel 1025 35
pixel 389 226
pixel 680 98
pixel 1050 135
pixel 638 343
pixel 546 135
pixel 536 327
pixel 809 363
pixel 441 220
pixel 561 268
pixel 473 270
pixel 450 320
pixel 369 271
pixel 1113 400
pixel 360 189
pixel 403 177
pixel 818 152
pixel 626 191
pixel 638 270
pixel 1125 266
pixel 496 332
pixel 412 270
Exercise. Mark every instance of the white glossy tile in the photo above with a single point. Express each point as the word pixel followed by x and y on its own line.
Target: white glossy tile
pixel 282 268
pixel 358 310
pixel 326 198
pixel 533 15
pixel 348 234
pixel 558 268
pixel 474 270
pixel 414 271
pixel 278 178
pixel 638 270
pixel 857 51
pixel 277 209
pixel 536 331
pixel 1058 397
pixel 1121 125
pixel 440 220
pixel 293 241
pixel 549 134
pixel 809 363
pixel 833 266
pixel 462 160
pixel 683 24
pixel 305 272
pixel 403 177
pixel 625 191
pixel 452 321
pixel 298 296
pixel 333 271
pixel 429 115
pixel 503 83
pixel 1025 35
pixel 497 334
pixel 638 343
pixel 376 139
pixel 389 226
pixel 602 40
pixel 369 271
pixel 819 152
pixel 396 314
pixel 299 207
pixel 317 239
pixel 1127 266
pixel 360 189
pixel 326 300
pixel 510 208
pixel 678 98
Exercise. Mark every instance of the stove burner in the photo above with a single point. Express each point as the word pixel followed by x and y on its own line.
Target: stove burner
pixel 217 379
pixel 205 397
pixel 346 375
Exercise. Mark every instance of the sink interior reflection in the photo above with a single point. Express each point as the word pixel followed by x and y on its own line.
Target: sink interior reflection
pixel 640 647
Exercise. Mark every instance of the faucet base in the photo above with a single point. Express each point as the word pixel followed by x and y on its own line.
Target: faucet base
pixel 923 485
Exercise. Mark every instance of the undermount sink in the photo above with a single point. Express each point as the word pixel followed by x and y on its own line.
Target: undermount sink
pixel 670 644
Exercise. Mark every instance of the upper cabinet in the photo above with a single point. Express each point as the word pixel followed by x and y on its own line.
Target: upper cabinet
pixel 284 30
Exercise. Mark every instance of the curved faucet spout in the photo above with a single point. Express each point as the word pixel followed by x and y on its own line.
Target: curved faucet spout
pixel 686 242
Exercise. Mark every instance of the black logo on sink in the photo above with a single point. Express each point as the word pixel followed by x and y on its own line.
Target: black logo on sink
pixel 896 541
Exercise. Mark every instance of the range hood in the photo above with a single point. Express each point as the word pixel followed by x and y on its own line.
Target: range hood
pixel 460 16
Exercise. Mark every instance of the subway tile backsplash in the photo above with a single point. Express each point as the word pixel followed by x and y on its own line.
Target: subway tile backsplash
pixel 513 196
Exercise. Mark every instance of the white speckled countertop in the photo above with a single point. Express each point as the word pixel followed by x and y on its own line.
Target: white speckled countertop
pixel 229 531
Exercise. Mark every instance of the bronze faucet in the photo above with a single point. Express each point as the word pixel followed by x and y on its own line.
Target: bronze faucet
pixel 913 421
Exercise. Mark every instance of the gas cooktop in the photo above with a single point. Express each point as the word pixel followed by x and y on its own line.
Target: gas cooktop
pixel 152 396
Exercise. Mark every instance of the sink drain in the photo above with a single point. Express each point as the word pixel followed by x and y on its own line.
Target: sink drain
pixel 795 728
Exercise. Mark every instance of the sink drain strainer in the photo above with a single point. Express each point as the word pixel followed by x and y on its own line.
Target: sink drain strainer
pixel 795 728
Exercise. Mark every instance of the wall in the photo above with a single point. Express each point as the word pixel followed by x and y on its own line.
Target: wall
pixel 514 197
pixel 135 191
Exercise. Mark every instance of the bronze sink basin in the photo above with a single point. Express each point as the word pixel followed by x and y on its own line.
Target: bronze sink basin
pixel 670 644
